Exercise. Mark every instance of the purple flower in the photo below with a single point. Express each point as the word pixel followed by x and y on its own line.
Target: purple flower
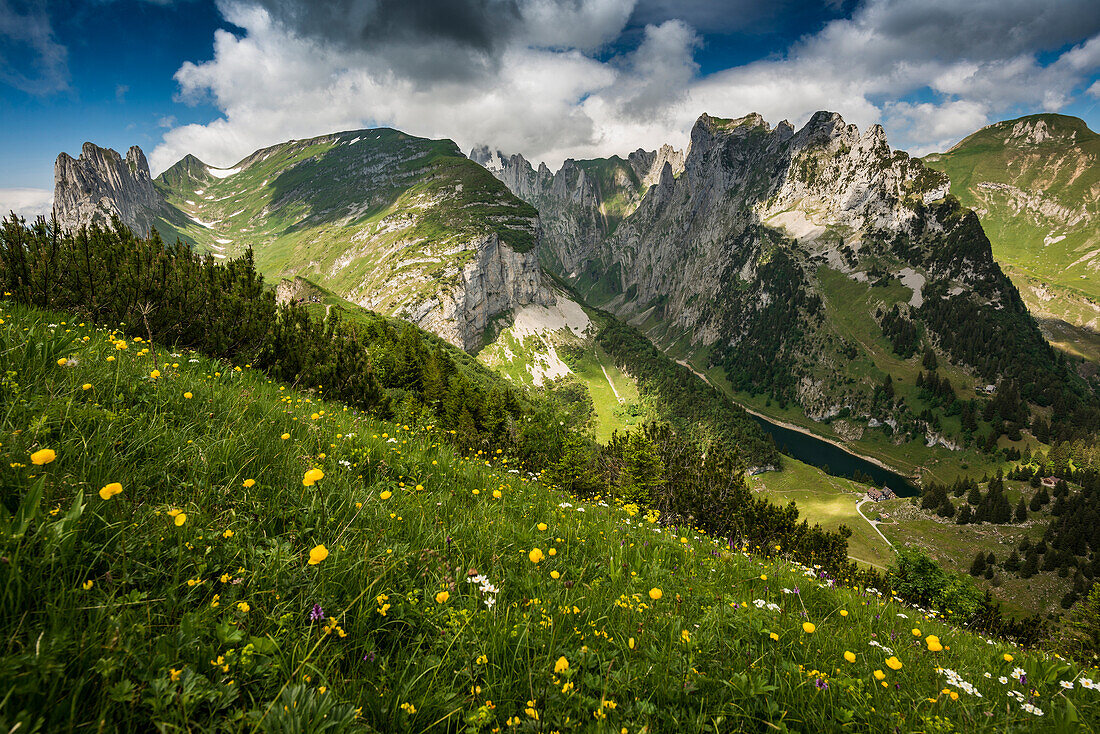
pixel 317 614
pixel 821 684
pixel 369 656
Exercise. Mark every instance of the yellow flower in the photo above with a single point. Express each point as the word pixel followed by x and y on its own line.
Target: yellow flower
pixel 554 574
pixel 62 362
pixel 110 490
pixel 154 374
pixel 408 707
pixel 120 345
pixel 879 675
pixel 685 635
pixel 285 436
pixel 174 674
pixel 808 627
pixel 442 597
pixel 420 488
pixel 536 556
pixel 655 593
pixel 553 551
pixel 181 519
pixel 312 477
pixel 763 577
pixel 849 656
pixel 111 358
pixel 249 483
pixel 933 643
pixel 173 513
pixel 188 395
pixel 481 660
pixel 893 663
pixel 774 636
pixel 496 494
pixel 87 585
pixel 227 534
pixel 224 578
pixel 916 632
pixel 1008 658
pixel 43 456
pixel 542 526
pixel 86 386
pixel 844 612
pixel 318 554
pixel 386 494
pixel 630 643
pixel 561 665
pixel 243 606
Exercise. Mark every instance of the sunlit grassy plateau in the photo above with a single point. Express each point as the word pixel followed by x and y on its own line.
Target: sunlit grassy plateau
pixel 226 587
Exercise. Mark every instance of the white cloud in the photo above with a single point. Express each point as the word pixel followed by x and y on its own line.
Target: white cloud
pixel 27 203
pixel 31 59
pixel 550 88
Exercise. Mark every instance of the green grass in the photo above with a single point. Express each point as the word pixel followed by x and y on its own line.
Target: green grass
pixel 118 617
pixel 830 502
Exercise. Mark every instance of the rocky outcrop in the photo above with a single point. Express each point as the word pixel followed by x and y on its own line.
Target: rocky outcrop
pixel 584 201
pixel 100 185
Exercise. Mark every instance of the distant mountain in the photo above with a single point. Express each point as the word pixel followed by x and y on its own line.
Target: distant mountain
pixel 584 201
pixel 401 225
pixel 1035 184
pixel 817 268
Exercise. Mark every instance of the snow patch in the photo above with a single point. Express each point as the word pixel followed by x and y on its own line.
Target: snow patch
pixel 564 314
pixel 222 172
pixel 914 281
pixel 1051 239
pixel 218 255
pixel 196 220
pixel 224 242
pixel 353 142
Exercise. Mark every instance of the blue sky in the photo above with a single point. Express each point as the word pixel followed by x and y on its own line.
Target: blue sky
pixel 548 78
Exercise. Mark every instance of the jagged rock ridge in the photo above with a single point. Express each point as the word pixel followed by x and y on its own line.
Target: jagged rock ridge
pixel 100 185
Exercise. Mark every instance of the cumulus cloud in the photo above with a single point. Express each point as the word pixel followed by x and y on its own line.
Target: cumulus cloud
pixel 578 78
pixel 27 203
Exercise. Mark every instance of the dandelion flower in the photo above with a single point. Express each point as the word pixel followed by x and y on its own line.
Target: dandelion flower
pixel 763 577
pixel 1008 658
pixel 249 483
pixel 420 488
pixel 154 374
pixel 43 456
pixel 110 490
pixel 685 635
pixel 180 519
pixel 808 627
pixel 442 597
pixel 849 656
pixel 561 665
pixel 893 663
pixel 536 555
pixel 844 612
pixel 317 554
pixel 312 477
pixel 655 593
pixel 496 494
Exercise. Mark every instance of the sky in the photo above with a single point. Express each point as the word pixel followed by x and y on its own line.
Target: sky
pixel 550 79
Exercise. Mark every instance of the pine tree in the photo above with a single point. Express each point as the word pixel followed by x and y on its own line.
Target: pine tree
pixel 977 568
pixel 1021 510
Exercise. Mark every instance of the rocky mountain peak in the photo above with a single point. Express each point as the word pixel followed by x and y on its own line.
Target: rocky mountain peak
pixel 100 184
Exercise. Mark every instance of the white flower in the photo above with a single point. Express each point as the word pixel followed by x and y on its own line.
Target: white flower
pixel 1003 680
pixel 1032 709
pixel 1067 684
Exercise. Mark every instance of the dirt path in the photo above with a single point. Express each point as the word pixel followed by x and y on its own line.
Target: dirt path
pixel 872 523
pixel 609 382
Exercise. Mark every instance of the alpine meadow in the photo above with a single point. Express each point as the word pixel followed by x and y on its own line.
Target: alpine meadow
pixel 549 366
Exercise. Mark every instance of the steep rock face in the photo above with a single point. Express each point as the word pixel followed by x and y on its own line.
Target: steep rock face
pixel 100 184
pixel 744 256
pixel 584 201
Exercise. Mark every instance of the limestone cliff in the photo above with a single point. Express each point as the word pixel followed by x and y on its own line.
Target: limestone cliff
pixel 100 184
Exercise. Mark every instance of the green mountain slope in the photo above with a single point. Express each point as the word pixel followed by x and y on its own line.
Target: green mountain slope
pixel 1035 184
pixel 167 569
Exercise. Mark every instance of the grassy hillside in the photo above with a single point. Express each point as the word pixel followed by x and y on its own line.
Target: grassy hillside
pixel 1035 183
pixel 165 568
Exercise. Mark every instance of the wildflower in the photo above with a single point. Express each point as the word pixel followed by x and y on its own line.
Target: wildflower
pixel 62 362
pixel 442 597
pixel 408 708
pixel 879 675
pixel 542 526
pixel 180 519
pixel 216 600
pixel 386 494
pixel 285 436
pixel 188 395
pixel 1008 658
pixel 685 636
pixel 655 593
pixel 849 656
pixel 249 483
pixel 496 494
pixel 763 577
pixel 933 643
pixel 86 386
pixel 420 488
pixel 110 490
pixel 1067 684
pixel 317 554
pixel 120 345
pixel 87 585
pixel 43 456
pixel 312 477
pixel 224 578
pixel 536 556
pixel 844 612
pixel 774 636
pixel 554 575
pixel 893 663
pixel 317 613
pixel 111 358
pixel 243 606
pixel 227 534
pixel 916 632
pixel 821 684
pixel 630 643
pixel 808 627
pixel 174 674
pixel 561 665
pixel 154 374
